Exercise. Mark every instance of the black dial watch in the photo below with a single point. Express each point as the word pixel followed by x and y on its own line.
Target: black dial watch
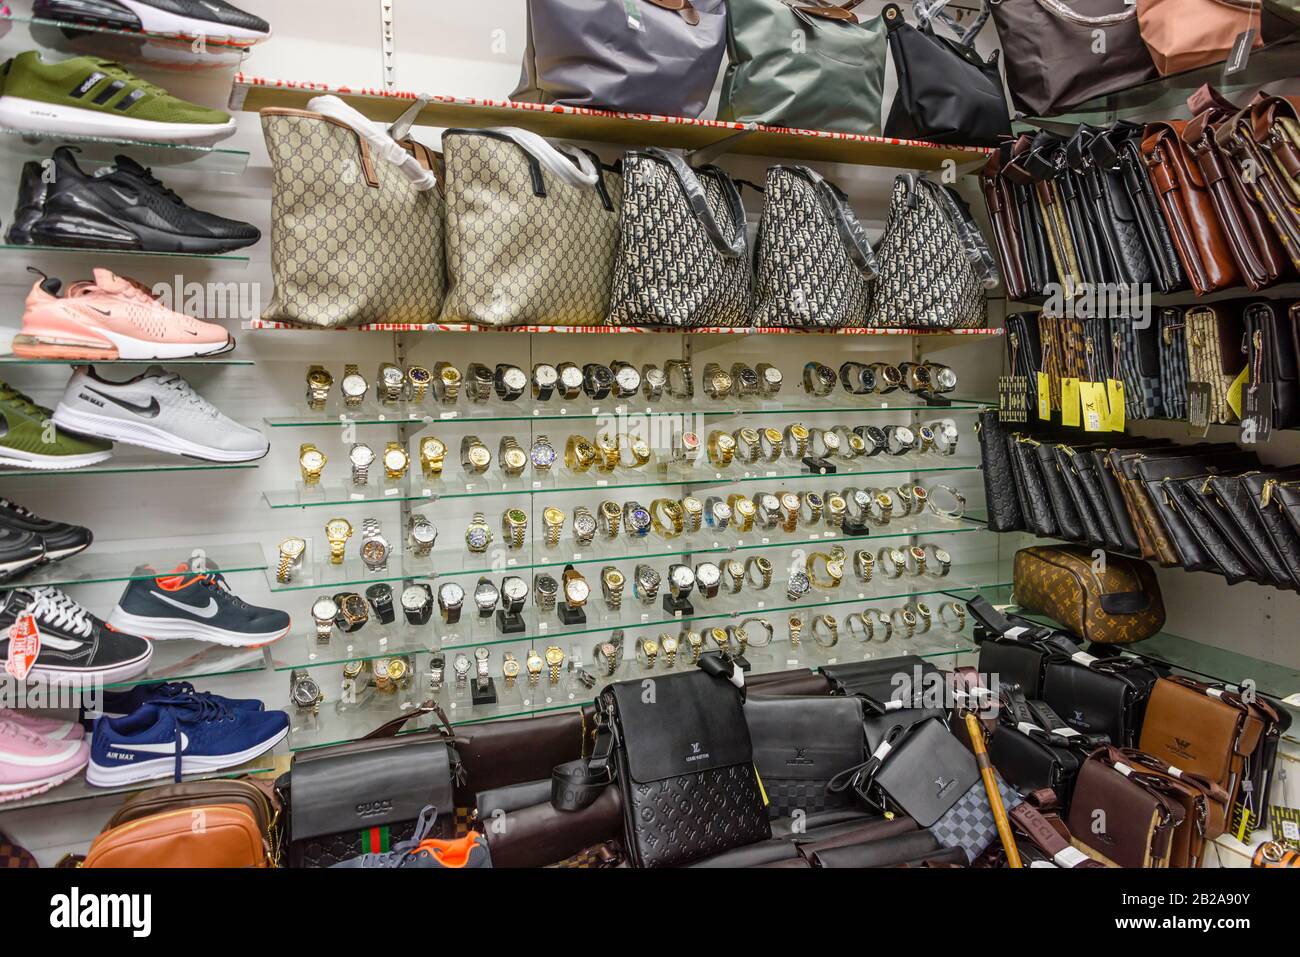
pixel 353 613
pixel 818 379
pixel 874 437
pixel 380 597
pixel 597 380
pixel 479 382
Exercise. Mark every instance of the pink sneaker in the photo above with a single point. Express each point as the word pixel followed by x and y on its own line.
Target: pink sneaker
pixel 110 318
pixel 30 764
pixel 56 729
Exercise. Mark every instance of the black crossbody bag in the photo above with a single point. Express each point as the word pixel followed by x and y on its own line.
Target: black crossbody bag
pixel 800 743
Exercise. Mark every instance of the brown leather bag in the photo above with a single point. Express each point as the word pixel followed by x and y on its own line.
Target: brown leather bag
pixel 1123 815
pixel 1202 246
pixel 1205 807
pixel 1185 34
pixel 1264 140
pixel 1117 603
pixel 215 835
pixel 1202 729
pixel 1254 244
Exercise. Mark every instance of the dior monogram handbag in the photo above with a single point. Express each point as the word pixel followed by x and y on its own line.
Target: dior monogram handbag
pixel 934 264
pixel 813 263
pixel 532 230
pixel 681 249
pixel 353 239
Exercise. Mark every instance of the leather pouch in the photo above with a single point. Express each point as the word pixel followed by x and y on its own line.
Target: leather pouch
pixel 884 679
pixel 541 835
pixel 800 743
pixel 927 774
pixel 230 836
pixel 260 800
pixel 1241 507
pixel 1264 138
pixel 1099 696
pixel 1229 528
pixel 685 765
pixel 1069 524
pixel 1000 201
pixel 1024 352
pixel 1181 496
pixel 1137 820
pixel 496 754
pixel 1120 603
pixel 1139 366
pixel 1167 270
pixel 1272 359
pixel 1173 362
pixel 999 482
pixel 1176 545
pixel 1041 517
pixel 1285 541
pixel 511 798
pixel 884 852
pixel 1029 763
pixel 1039 269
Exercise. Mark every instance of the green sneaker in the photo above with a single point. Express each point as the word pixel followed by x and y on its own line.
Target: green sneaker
pixel 29 439
pixel 86 96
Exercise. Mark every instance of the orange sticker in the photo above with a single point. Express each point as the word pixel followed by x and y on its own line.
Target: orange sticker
pixel 24 647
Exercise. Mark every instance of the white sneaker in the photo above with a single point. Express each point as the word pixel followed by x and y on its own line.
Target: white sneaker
pixel 156 410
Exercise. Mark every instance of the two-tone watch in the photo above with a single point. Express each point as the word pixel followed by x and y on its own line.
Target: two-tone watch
pixel 319 383
pixel 323 613
pixel 418 380
pixel 305 692
pixel 291 553
pixel 389 382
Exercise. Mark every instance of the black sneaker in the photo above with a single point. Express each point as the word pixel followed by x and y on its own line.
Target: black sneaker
pixel 210 18
pixel 61 540
pixel 30 206
pixel 20 551
pixel 127 207
pixel 77 649
pixel 198 605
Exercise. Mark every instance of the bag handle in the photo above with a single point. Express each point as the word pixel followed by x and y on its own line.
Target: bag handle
pixel 824 11
pixel 733 246
pixel 854 237
pixel 927 11
pixel 1063 11
pixel 558 159
pixel 972 240
pixel 390 729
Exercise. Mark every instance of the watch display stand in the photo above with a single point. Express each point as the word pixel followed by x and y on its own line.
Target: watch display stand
pixel 818 466
pixel 678 606
pixel 482 690
pixel 934 399
pixel 509 623
pixel 310 493
pixel 570 615
pixel 855 526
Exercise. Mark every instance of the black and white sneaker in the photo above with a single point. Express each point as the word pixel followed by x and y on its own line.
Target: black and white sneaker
pixel 61 539
pixel 77 649
pixel 199 605
pixel 20 551
pixel 210 18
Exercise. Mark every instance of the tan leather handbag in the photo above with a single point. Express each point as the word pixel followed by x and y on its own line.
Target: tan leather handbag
pixel 1214 356
pixel 1118 601
pixel 1185 34
pixel 218 835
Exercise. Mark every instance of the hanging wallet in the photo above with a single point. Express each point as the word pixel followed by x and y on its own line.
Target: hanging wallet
pixel 1240 505
pixel 1272 359
pixel 1181 496
pixel 1214 357
pixel 1069 525
pixel 1258 486
pixel 1066 460
pixel 1265 138
pixel 1041 518
pixel 1212 508
pixel 1202 246
pixel 1039 270
pixel 1139 366
pixel 1173 362
pixel 1001 504
pixel 1000 200
pixel 1175 543
pixel 1088 204
pixel 1167 270
pixel 1025 354
pixel 1118 216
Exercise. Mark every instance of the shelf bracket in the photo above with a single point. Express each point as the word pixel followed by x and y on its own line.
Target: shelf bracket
pixel 388 38
pixel 708 154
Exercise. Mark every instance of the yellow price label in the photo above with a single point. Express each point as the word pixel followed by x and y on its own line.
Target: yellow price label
pixel 1115 396
pixel 1071 407
pixel 1044 397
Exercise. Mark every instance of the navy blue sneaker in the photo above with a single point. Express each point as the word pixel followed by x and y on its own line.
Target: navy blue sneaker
pixel 187 735
pixel 118 704
pixel 200 605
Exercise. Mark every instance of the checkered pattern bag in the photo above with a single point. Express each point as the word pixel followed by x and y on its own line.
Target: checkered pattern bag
pixel 969 823
pixel 14 856
pixel 1139 367
pixel 1173 364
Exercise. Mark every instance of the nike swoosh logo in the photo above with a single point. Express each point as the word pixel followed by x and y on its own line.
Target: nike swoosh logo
pixel 125 198
pixel 149 411
pixel 209 612
pixel 165 747
pixel 103 312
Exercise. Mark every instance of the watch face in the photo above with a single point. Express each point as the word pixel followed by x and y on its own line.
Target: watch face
pixel 461 665
pixel 726 442
pixel 946 378
pixel 941 556
pixel 414 598
pixel 546 584
pixel 554 656
pixel 362 456
pixel 419 375
pixel 545 375
pixel 799 432
pixel 324 609
pixel 433 448
pixel 639 518
pixel 831 441
pixel 584 525
pixel 577 590
pixel 516 516
pixel 690 441
pixel 571 376
pixel 553 516
pixel 708 574
pixel 772 375
pixel 478 536
pixel 354 606
pixel 354 385
pixel 374 551
pixel 392 376
pixel 656 377
pixel 395 459
pixel 451 594
pixel 721 511
pixel 904 436
pixel 424 532
pixel 790 501
pixel 305 692
pixel 814 500
pixel 798 583
pixel 515 379
pixel 450 375
pixel 745 507
pixel 338 528
pixel 770 502
pixel 515 588
pixel 613 578
pixel 749 436
pixel 486 594
pixel 313 460
pixel 735 569
pixel 861 500
pixel 479 456
pixel 682 577
pixel 510 667
pixel 629 380
pixel 543 455
pixel 516 458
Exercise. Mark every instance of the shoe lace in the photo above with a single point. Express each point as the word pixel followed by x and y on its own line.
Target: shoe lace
pixel 217 582
pixel 11 395
pixel 49 605
pixel 170 380
pixel 399 850
pixel 198 707
pixel 15 507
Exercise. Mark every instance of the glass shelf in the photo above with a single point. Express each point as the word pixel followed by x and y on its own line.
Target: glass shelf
pixel 78 790
pixel 9 359
pixel 633 616
pixel 128 461
pixel 19 145
pixel 164 51
pixel 449 562
pixel 191 660
pixel 94 255
pixel 269 325
pixel 527 411
pixel 124 562
pixel 337 723
pixel 417 488
pixel 1219 664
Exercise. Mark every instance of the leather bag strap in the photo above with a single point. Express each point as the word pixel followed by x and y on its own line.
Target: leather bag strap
pixel 836 205
pixel 732 246
pixel 391 728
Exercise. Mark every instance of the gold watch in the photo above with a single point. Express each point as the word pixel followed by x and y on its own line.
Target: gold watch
pixel 514 528
pixel 533 662
pixel 337 532
pixel 554 659
pixel 319 383
pixel 311 461
pixel 553 522
pixel 721 447
pixel 433 453
pixel 510 669
pixel 396 460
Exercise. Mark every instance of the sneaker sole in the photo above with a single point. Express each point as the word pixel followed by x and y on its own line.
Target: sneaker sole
pixel 145 436
pixel 119 347
pixel 165 767
pixel 153 20
pixel 83 678
pixel 172 629
pixel 37 116
pixel 16 792
pixel 51 463
pixel 10 570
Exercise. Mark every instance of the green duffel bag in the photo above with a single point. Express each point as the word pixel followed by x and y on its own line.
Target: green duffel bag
pixel 807 65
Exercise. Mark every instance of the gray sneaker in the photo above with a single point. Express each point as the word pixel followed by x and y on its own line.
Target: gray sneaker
pixel 423 851
pixel 156 410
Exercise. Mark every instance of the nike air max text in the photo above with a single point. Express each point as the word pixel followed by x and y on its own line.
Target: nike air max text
pixel 89 398
pixel 75 910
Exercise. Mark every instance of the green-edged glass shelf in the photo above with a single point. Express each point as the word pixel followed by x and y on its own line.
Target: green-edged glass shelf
pixel 405 413
pixel 78 790
pixel 9 359
pixel 195 661
pixel 338 722
pixel 95 255
pixel 127 461
pixel 163 51
pixel 19 145
pixel 1219 664
pixel 449 562
pixel 417 488
pixel 111 562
